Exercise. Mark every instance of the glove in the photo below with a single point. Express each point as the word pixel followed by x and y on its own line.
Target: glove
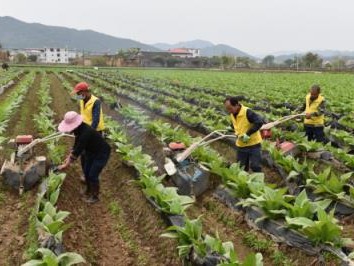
pixel 245 138
pixel 308 115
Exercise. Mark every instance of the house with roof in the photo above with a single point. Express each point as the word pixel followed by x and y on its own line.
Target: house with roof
pixel 184 52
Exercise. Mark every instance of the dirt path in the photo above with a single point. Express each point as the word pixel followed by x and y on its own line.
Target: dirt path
pixel 122 229
pixel 15 210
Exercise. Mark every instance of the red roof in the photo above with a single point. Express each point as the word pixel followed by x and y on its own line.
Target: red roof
pixel 179 51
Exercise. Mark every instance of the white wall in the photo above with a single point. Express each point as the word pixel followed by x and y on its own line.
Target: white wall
pixel 56 55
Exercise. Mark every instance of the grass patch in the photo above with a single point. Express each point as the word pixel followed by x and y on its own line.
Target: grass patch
pixel 280 259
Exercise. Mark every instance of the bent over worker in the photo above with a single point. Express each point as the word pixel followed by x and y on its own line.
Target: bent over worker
pixel 246 124
pixel 91 112
pixel 96 149
pixel 315 108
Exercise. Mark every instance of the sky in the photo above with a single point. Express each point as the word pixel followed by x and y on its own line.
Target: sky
pixel 258 27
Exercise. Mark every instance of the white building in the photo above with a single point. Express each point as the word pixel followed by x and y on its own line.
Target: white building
pixel 185 52
pixel 55 56
pixel 47 55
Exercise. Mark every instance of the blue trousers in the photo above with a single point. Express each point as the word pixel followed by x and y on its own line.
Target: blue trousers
pixel 250 157
pixel 94 164
pixel 315 133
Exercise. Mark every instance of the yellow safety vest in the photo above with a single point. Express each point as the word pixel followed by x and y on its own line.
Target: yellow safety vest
pixel 86 112
pixel 312 108
pixel 241 126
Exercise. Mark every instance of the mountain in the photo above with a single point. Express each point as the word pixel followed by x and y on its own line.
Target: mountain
pixel 223 49
pixel 197 44
pixel 18 34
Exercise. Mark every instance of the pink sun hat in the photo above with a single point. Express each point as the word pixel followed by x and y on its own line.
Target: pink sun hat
pixel 71 121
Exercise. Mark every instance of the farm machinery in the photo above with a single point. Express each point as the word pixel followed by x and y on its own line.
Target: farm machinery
pixel 23 170
pixel 191 177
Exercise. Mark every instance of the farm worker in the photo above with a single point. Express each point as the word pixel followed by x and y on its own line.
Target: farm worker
pixel 90 110
pixel 5 66
pixel 94 146
pixel 315 108
pixel 246 124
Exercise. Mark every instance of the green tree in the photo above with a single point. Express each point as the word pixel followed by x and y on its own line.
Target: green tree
pixel 227 61
pixel 289 62
pixel 338 63
pixel 268 61
pixel 122 54
pixel 312 60
pixel 159 59
pixel 20 58
pixel 172 61
pixel 215 61
pixel 32 58
pixel 244 61
pixel 99 61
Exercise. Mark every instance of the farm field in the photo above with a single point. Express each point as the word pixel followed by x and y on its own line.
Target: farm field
pixel 299 211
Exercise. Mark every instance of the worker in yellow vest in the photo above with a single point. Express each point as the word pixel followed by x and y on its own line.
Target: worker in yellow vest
pixel 246 125
pixel 315 108
pixel 91 112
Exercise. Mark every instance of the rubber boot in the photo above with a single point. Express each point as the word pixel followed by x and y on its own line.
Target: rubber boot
pixel 95 189
pixel 83 179
pixel 86 190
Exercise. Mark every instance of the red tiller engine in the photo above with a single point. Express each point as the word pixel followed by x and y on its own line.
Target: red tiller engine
pixel 266 133
pixel 23 139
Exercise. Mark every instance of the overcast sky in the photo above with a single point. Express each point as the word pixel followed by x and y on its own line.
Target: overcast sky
pixel 254 26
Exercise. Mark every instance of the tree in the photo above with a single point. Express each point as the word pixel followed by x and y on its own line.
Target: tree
pixel 312 60
pixel 244 61
pixel 0 45
pixel 99 61
pixel 32 58
pixel 268 61
pixel 289 62
pixel 172 61
pixel 338 63
pixel 159 59
pixel 20 58
pixel 122 54
pixel 215 61
pixel 227 61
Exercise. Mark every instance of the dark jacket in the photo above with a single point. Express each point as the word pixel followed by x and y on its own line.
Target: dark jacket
pixel 89 140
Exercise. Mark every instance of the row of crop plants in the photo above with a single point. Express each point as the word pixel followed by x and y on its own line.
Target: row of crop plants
pixel 8 79
pixel 277 197
pixel 194 246
pixel 212 103
pixel 207 120
pixel 272 87
pixel 47 223
pixel 299 213
pixel 12 102
pixel 292 165
pixel 277 194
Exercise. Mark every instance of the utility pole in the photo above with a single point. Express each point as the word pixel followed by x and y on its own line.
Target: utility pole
pixel 83 58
